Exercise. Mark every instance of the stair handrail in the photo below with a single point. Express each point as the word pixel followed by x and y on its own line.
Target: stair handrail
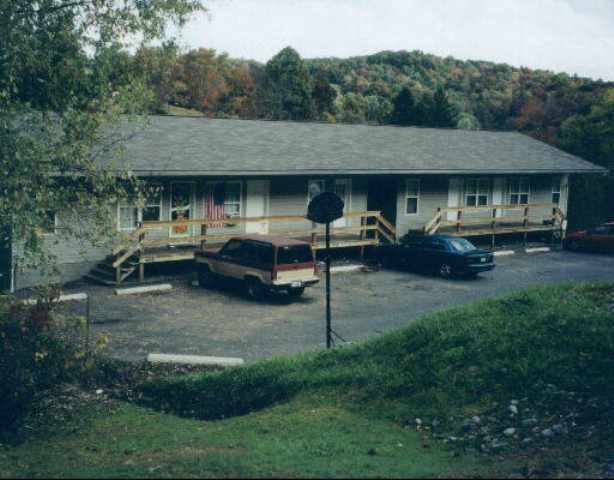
pixel 128 240
pixel 139 233
pixel 389 231
pixel 433 225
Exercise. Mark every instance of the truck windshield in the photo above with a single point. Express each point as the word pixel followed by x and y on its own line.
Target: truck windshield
pixel 462 245
pixel 294 254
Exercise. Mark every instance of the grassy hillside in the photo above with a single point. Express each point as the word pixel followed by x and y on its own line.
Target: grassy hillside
pixel 437 398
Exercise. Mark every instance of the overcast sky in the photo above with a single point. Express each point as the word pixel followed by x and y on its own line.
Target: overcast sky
pixel 574 36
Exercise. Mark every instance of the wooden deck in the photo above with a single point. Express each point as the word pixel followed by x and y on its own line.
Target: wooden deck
pixel 140 247
pixel 186 252
pixel 497 220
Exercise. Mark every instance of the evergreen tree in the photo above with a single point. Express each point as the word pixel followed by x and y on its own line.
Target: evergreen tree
pixel 324 94
pixel 404 109
pixel 443 114
pixel 287 90
pixel 424 111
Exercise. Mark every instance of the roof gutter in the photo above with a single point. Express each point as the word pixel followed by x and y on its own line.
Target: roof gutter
pixel 303 172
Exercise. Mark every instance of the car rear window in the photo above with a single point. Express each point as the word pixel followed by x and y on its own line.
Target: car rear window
pixel 294 254
pixel 462 245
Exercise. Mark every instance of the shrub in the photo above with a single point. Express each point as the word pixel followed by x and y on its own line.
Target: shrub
pixel 34 358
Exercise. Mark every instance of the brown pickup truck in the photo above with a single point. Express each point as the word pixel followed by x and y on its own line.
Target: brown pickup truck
pixel 262 263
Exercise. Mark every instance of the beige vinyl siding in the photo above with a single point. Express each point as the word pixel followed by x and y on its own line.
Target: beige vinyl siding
pixel 288 197
pixel 541 193
pixel 74 255
pixel 433 195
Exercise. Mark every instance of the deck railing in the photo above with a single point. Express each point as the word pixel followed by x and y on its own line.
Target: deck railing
pixel 493 219
pixel 370 228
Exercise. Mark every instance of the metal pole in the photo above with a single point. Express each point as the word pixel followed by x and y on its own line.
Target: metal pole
pixel 328 322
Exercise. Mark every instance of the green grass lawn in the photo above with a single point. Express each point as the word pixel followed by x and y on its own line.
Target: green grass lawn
pixel 351 411
pixel 309 436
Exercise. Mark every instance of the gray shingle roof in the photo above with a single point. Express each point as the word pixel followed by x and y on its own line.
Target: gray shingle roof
pixel 200 146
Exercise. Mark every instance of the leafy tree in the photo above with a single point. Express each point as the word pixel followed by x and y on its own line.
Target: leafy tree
pixel 157 66
pixel 379 109
pixel 287 90
pixel 466 121
pixel 61 109
pixel 353 108
pixel 202 75
pixel 404 109
pixel 591 136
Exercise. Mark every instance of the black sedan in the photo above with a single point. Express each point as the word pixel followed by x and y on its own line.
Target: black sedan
pixel 444 254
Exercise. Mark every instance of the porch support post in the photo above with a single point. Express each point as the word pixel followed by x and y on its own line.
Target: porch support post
pixel 203 234
pixel 141 254
pixel 494 222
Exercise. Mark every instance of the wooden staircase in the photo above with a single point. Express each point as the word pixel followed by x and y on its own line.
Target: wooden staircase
pixel 106 274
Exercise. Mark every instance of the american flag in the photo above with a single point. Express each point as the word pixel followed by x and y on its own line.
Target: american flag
pixel 215 205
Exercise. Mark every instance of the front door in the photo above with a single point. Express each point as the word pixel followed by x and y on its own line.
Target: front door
pixel 181 207
pixel 5 258
pixel 257 202
pixel 382 197
pixel 342 188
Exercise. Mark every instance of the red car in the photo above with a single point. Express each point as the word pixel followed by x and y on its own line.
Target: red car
pixel 597 239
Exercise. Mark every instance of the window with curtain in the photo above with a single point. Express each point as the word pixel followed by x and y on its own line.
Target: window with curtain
pixel 152 209
pixel 232 199
pixel 519 189
pixel 477 191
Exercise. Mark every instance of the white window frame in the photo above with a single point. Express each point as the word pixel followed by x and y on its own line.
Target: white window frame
pixel 478 192
pixel 519 181
pixel 310 182
pixel 209 186
pixel 240 201
pixel 418 190
pixel 147 204
pixel 193 207
pixel 54 230
pixel 121 205
pixel 556 190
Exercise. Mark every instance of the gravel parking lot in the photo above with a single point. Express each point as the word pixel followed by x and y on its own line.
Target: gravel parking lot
pixel 192 320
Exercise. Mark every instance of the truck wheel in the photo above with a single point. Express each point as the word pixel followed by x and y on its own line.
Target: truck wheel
pixel 254 288
pixel 296 292
pixel 205 277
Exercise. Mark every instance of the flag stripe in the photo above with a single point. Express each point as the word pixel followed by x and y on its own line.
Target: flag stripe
pixel 215 207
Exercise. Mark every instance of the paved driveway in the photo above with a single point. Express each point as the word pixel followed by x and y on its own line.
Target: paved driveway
pixel 192 320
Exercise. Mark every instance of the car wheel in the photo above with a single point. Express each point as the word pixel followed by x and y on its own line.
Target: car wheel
pixel 385 261
pixel 205 277
pixel 573 245
pixel 445 270
pixel 254 288
pixel 296 292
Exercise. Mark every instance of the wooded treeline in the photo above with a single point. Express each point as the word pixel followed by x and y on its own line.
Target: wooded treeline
pixel 404 88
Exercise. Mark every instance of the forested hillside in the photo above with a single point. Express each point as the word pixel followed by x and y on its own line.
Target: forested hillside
pixel 404 88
